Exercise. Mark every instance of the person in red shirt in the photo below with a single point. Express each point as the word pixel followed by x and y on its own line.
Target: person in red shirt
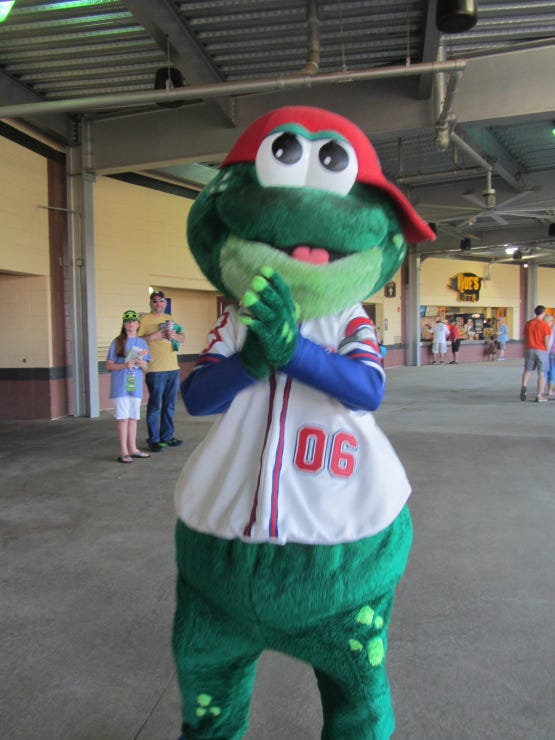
pixel 455 339
pixel 537 334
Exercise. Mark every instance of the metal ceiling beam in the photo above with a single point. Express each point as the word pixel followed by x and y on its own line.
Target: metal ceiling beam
pixel 430 49
pixel 507 88
pixel 54 124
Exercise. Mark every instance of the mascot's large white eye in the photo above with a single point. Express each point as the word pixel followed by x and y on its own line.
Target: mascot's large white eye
pixel 282 160
pixel 287 160
pixel 333 166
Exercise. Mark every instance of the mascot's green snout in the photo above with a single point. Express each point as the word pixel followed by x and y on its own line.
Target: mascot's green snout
pixel 293 527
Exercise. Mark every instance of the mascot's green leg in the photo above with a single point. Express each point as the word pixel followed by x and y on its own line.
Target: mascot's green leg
pixel 329 606
pixel 215 667
pixel 350 668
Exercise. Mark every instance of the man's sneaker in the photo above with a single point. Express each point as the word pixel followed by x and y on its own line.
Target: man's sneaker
pixel 173 442
pixel 523 393
pixel 540 399
pixel 156 447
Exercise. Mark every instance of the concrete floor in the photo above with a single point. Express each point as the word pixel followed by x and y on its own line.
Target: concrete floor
pixel 87 575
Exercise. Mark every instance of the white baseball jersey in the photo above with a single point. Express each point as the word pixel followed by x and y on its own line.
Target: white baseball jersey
pixel 287 462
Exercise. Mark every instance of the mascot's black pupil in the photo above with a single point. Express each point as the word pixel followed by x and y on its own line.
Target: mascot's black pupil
pixel 287 149
pixel 333 157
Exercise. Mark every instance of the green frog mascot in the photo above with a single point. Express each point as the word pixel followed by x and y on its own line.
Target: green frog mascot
pixel 293 528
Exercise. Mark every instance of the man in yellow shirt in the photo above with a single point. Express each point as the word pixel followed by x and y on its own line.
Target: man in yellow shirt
pixel 162 378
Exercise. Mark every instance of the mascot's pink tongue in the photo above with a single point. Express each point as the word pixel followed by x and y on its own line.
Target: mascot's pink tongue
pixel 314 256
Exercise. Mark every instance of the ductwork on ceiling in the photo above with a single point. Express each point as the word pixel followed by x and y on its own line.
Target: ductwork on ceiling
pixel 223 89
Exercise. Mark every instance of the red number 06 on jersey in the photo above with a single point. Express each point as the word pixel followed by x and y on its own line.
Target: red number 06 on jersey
pixel 316 449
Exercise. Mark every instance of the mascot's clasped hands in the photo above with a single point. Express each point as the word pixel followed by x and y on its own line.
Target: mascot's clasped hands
pixel 272 318
pixel 293 529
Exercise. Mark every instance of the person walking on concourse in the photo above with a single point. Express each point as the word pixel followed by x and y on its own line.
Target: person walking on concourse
pixel 162 379
pixel 537 335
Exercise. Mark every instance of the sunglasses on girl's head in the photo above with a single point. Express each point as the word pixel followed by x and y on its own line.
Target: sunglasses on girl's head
pixel 131 316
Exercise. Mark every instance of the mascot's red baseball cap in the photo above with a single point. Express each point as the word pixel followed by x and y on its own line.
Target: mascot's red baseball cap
pixel 370 172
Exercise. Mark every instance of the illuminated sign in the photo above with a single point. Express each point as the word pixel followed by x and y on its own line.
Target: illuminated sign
pixel 467 286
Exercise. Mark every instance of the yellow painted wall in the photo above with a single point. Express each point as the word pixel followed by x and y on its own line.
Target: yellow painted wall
pixel 24 250
pixel 23 216
pixel 140 243
pixel 25 337
pixel 546 288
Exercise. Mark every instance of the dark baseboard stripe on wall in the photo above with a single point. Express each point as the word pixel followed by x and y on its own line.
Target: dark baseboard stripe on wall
pixel 34 373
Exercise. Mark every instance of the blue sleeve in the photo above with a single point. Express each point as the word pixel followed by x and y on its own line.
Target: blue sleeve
pixel 353 383
pixel 210 388
pixel 112 353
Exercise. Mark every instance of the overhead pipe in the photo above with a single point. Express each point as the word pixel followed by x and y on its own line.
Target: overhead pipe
pixel 444 97
pixel 466 173
pixel 313 54
pixel 461 143
pixel 223 89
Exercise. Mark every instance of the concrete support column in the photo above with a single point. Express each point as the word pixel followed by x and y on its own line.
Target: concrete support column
pixel 531 273
pixel 82 279
pixel 412 309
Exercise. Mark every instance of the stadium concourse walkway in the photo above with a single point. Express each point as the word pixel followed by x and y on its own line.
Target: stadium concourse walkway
pixel 87 574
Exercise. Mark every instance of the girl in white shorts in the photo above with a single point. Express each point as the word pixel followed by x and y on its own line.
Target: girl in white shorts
pixel 127 359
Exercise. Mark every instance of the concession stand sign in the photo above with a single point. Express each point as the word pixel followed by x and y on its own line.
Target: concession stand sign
pixel 467 285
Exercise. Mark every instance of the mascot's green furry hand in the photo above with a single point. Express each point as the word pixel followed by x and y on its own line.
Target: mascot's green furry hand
pixel 271 316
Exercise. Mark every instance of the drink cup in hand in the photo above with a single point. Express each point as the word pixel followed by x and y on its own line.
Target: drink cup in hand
pixel 166 327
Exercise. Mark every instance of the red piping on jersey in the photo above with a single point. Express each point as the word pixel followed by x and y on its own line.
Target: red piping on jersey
pixel 355 324
pixel 279 460
pixel 215 333
pixel 248 529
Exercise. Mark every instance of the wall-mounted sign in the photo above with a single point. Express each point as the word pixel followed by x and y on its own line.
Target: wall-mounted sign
pixel 390 289
pixel 467 286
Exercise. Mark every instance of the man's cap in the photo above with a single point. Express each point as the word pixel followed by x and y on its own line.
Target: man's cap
pixel 130 316
pixel 157 294
pixel 316 120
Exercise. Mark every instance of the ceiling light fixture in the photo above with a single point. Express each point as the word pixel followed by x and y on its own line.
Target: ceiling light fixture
pixel 510 250
pixel 168 78
pixel 456 16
